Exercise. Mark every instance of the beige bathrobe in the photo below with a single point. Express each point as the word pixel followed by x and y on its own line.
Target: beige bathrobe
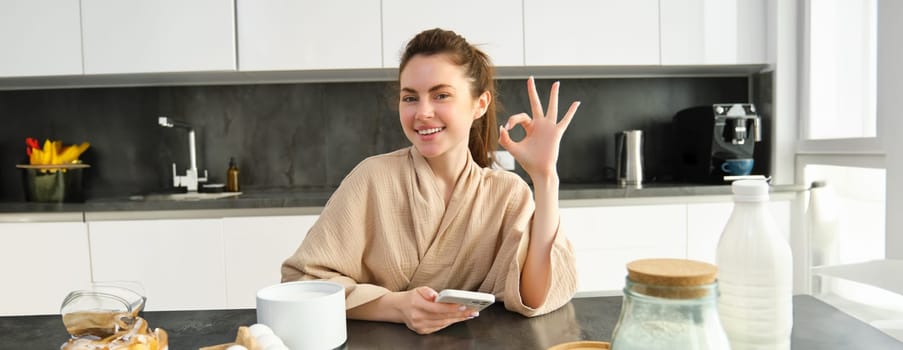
pixel 387 229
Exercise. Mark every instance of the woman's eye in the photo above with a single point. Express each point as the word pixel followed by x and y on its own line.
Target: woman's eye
pixel 442 96
pixel 408 99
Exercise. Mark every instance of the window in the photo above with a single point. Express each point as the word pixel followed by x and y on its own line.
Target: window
pixel 853 211
pixel 841 69
pixel 840 143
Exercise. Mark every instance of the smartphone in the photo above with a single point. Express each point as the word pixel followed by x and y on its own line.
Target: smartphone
pixel 474 300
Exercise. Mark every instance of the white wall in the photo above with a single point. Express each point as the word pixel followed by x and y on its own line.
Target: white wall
pixel 784 40
pixel 784 52
pixel 890 127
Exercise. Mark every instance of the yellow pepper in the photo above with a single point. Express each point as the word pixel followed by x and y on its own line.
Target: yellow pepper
pixel 71 153
pixel 53 153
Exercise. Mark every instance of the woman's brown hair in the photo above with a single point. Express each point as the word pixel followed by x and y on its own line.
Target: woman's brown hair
pixel 477 66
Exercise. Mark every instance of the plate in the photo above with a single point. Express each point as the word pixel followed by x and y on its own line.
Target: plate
pixel 582 345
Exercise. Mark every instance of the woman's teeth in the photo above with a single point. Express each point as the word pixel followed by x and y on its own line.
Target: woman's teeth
pixel 429 131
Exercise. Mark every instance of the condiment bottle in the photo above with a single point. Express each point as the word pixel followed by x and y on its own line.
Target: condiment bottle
pixel 232 176
pixel 756 273
pixel 669 304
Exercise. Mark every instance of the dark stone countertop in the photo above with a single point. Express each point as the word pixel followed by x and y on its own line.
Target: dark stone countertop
pixel 816 325
pixel 316 198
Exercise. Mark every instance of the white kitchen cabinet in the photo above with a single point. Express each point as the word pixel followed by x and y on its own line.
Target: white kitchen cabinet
pixel 41 263
pixel 706 221
pixel 40 38
pixel 695 32
pixel 496 27
pixel 308 34
pixel 605 239
pixel 591 32
pixel 180 262
pixel 143 36
pixel 255 249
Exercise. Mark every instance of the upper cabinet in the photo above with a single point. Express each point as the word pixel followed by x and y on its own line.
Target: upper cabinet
pixel 40 37
pixel 308 34
pixel 142 36
pixel 713 32
pixel 591 32
pixel 98 42
pixel 496 27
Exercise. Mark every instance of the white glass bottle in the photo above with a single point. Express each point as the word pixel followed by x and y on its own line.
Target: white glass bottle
pixel 755 273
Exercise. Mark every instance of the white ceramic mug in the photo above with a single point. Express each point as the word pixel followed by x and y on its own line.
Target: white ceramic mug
pixel 305 314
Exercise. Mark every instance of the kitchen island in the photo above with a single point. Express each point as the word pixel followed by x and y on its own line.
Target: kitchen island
pixel 816 326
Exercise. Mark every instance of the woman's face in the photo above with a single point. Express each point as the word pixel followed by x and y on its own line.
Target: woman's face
pixel 436 106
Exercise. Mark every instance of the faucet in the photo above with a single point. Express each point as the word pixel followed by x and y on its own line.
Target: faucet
pixel 190 180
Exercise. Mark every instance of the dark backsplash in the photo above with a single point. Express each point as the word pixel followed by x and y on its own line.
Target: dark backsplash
pixel 311 135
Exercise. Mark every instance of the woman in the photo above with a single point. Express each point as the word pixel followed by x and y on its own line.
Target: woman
pixel 406 224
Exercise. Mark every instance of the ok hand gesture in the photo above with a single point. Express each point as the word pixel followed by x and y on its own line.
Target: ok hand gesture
pixel 537 153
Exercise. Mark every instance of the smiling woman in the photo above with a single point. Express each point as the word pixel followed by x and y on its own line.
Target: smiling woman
pixel 438 117
pixel 435 216
pixel 467 72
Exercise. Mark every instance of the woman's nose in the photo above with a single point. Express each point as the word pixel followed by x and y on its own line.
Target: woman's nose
pixel 424 110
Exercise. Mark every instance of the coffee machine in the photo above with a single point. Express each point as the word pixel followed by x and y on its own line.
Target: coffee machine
pixel 707 137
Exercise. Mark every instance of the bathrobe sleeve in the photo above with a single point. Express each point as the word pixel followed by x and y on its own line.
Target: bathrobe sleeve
pixel 507 268
pixel 334 247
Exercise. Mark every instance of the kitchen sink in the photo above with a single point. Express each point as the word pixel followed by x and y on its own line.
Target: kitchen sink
pixel 190 196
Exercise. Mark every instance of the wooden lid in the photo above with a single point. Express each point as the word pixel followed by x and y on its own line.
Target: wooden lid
pixel 671 278
pixel 671 272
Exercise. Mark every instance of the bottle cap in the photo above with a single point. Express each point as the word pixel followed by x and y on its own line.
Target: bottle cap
pixel 750 190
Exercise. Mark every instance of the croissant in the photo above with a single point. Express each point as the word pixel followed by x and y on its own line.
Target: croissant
pixel 135 336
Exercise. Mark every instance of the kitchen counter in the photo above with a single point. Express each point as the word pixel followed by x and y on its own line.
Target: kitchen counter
pixel 816 326
pixel 310 202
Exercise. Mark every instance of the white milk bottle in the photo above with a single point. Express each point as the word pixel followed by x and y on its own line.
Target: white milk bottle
pixel 755 273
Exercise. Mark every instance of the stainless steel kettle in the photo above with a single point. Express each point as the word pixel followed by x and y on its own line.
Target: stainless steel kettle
pixel 629 157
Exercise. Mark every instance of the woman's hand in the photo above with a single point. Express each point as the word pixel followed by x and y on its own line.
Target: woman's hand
pixel 422 314
pixel 537 153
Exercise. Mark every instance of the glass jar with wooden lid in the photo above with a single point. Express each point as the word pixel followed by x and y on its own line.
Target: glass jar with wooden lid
pixel 670 304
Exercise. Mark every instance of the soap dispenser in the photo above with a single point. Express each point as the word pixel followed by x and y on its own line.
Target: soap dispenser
pixel 232 176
